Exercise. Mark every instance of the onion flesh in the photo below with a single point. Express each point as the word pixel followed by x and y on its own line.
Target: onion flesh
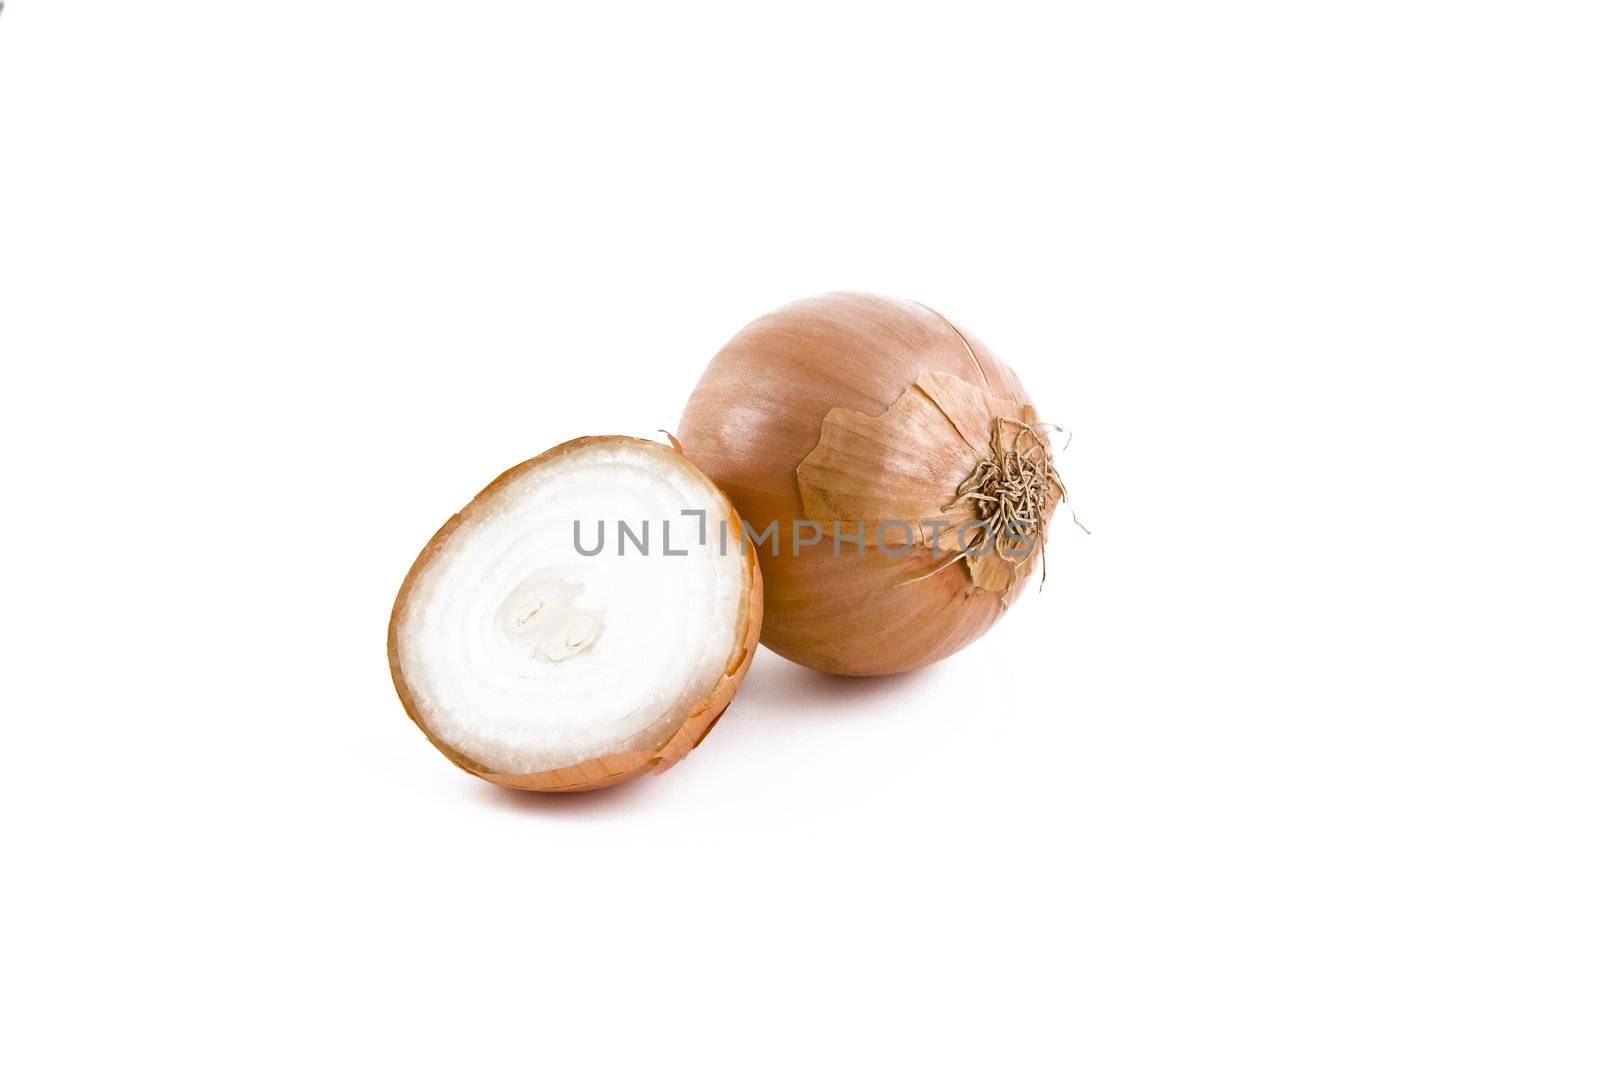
pixel 536 665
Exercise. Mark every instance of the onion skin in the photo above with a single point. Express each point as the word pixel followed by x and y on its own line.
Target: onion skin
pixel 601 771
pixel 757 415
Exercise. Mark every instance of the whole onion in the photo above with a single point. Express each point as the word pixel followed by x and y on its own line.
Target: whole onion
pixel 850 415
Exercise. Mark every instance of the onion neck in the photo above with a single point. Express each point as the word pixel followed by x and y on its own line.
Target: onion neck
pixel 1011 492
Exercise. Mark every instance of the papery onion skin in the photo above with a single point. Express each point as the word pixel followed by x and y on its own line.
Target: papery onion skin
pixel 602 771
pixel 757 415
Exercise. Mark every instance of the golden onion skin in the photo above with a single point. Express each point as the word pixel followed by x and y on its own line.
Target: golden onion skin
pixel 757 414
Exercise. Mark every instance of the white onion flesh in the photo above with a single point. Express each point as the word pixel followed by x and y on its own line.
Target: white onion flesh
pixel 525 655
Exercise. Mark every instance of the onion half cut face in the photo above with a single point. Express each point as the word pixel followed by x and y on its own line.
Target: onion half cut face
pixel 586 618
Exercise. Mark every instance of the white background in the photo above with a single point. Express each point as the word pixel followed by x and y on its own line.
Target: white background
pixel 1292 762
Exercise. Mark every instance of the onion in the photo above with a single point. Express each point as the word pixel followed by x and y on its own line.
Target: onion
pixel 533 662
pixel 884 418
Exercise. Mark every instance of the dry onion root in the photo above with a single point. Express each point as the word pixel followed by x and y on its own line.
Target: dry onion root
pixel 850 415
pixel 536 665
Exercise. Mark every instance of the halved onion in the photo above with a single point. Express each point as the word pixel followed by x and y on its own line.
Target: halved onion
pixel 534 662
